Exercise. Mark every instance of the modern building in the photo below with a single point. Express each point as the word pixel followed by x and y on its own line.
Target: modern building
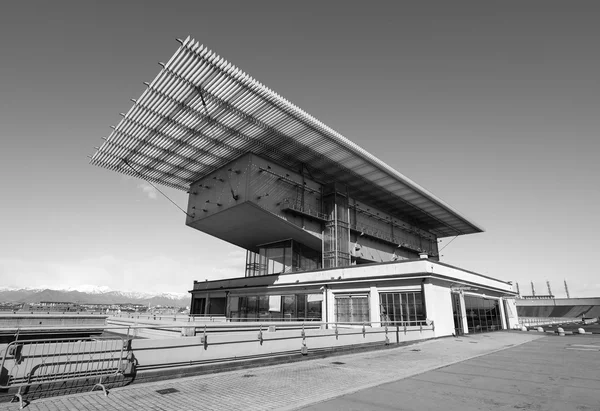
pixel 332 233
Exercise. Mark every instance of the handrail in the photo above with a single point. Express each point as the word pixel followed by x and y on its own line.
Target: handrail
pixel 231 325
pixel 43 361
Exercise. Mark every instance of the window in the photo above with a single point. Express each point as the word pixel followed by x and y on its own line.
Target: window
pixel 402 307
pixel 281 258
pixel 352 309
pixel 198 306
pixel 216 305
pixel 292 307
pixel 483 314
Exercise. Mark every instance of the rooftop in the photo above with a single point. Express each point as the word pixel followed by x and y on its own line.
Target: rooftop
pixel 202 112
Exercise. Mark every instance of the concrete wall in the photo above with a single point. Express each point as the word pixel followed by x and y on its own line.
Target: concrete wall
pixel 191 351
pixel 512 314
pixel 215 206
pixel 50 320
pixel 381 273
pixel 438 303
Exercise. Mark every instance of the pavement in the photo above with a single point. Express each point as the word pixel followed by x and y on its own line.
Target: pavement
pixel 499 371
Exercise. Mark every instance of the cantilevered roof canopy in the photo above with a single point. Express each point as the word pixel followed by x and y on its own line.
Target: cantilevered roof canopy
pixel 201 112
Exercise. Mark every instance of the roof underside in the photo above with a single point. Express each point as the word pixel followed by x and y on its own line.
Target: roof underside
pixel 201 112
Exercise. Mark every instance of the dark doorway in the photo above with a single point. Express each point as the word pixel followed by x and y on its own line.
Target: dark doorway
pixel 199 306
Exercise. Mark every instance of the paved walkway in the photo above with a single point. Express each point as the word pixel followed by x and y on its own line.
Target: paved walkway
pixel 360 377
pixel 553 374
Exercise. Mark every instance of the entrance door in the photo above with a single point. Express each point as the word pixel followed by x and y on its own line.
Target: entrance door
pixel 457 311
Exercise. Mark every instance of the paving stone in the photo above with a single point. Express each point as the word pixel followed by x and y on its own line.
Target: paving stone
pixel 288 386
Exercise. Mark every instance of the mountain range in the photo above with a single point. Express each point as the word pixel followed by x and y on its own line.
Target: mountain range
pixel 92 295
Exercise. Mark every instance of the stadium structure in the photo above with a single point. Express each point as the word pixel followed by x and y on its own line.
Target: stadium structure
pixel 331 233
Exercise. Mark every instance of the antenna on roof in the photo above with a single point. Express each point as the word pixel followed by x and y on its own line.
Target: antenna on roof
pixel 567 289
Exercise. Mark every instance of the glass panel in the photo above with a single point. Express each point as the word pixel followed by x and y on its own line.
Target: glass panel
pixel 252 307
pixel 263 307
pixel 483 314
pixel 342 309
pixel 397 303
pixel 289 307
pixel 301 306
pixel 399 307
pixel 314 310
pixel 419 307
pixel 243 308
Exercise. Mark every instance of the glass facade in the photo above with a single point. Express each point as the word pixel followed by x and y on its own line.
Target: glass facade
pixel 336 236
pixel 280 258
pixel 402 307
pixel 483 314
pixel 292 307
pixel 352 309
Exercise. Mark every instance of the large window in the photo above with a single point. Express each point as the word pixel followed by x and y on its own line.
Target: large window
pixel 280 258
pixel 292 307
pixel 352 309
pixel 399 308
pixel 483 314
pixel 216 305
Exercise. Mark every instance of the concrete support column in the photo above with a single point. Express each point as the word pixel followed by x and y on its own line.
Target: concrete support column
pixel 374 308
pixel 502 314
pixel 330 306
pixel 463 310
pixel 438 303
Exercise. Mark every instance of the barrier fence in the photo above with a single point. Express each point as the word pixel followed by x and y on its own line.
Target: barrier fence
pixel 48 361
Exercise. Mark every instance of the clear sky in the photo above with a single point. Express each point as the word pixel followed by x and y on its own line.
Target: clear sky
pixel 492 106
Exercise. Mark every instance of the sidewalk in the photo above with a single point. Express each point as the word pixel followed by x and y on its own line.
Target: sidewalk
pixel 550 374
pixel 289 386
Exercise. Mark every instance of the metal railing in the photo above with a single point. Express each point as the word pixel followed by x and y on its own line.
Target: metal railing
pixel 308 210
pixel 48 361
pixel 43 362
pixel 539 321
pixel 206 328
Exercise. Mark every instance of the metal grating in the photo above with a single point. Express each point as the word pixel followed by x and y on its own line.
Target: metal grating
pixel 201 112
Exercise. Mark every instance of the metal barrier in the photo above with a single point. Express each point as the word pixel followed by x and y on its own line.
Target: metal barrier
pixel 539 321
pixel 46 361
pixel 34 366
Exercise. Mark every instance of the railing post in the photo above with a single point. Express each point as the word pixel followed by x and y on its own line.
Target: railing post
pixel 304 348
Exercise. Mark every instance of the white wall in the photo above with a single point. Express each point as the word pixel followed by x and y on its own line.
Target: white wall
pixel 438 304
pixel 513 317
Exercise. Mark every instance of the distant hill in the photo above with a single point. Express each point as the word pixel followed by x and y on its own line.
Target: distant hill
pixel 26 295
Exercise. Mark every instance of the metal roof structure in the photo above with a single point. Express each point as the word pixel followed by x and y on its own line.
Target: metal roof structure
pixel 201 112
